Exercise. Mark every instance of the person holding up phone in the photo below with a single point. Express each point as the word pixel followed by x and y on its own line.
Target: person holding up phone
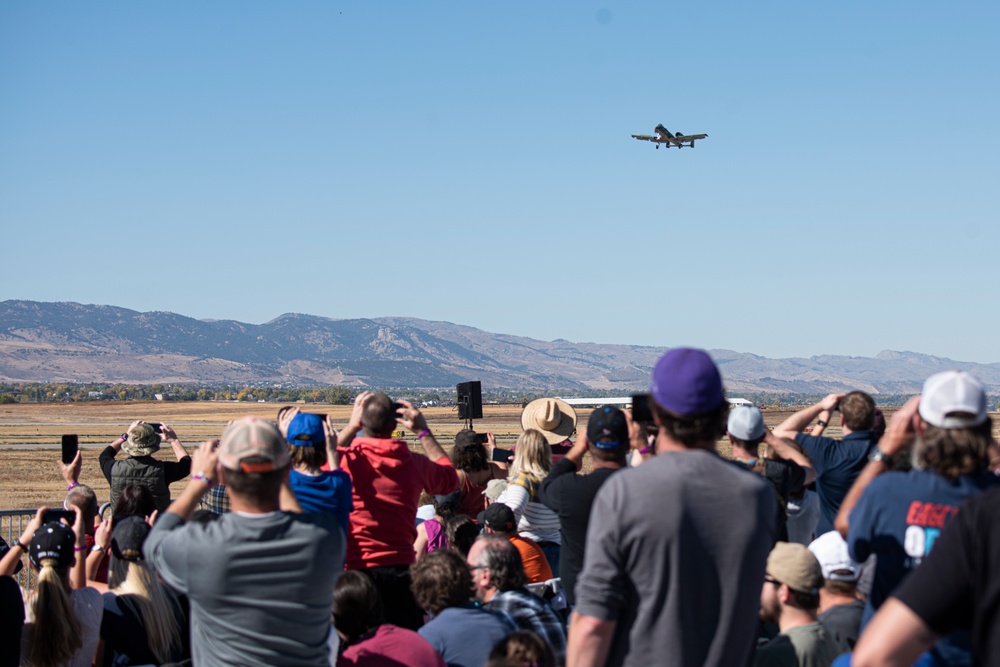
pixel 56 551
pixel 140 442
pixel 471 459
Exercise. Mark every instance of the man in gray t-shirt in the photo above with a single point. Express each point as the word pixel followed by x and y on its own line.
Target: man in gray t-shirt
pixel 260 579
pixel 676 548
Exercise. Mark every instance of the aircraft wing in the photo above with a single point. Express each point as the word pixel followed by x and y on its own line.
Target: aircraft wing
pixel 692 137
pixel 646 137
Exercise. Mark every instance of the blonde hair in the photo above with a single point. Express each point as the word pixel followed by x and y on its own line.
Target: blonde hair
pixel 532 454
pixel 57 635
pixel 135 579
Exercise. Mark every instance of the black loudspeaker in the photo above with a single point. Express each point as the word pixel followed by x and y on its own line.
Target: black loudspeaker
pixel 470 400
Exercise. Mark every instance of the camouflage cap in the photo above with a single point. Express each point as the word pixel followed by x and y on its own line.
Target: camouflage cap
pixel 253 437
pixel 143 440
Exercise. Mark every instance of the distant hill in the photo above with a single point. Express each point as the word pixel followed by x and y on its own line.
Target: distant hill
pixel 50 342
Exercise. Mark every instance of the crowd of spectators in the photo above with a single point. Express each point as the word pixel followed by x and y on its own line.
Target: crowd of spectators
pixel 295 544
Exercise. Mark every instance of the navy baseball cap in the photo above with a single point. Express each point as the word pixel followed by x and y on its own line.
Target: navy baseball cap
pixel 687 382
pixel 607 428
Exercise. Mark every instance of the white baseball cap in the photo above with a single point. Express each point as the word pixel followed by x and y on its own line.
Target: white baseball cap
pixel 953 399
pixel 746 422
pixel 830 550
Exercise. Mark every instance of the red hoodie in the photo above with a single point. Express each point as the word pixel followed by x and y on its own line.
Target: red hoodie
pixel 387 479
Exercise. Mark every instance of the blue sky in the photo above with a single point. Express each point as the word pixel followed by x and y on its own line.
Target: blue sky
pixel 471 162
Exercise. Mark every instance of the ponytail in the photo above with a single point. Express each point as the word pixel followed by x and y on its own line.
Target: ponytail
pixel 57 635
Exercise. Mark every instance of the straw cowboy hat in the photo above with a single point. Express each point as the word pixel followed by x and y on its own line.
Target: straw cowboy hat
pixel 554 418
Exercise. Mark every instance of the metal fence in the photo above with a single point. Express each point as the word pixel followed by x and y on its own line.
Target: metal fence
pixel 12 524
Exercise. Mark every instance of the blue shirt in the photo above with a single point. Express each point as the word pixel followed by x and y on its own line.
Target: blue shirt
pixel 899 516
pixel 463 636
pixel 837 464
pixel 329 491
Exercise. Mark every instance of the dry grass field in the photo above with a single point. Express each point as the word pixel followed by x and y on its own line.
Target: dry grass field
pixel 30 435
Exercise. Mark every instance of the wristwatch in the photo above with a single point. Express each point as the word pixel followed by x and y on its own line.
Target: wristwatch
pixel 880 456
pixel 820 422
pixel 96 547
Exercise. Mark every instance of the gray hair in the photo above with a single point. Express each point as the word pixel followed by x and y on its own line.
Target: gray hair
pixel 503 560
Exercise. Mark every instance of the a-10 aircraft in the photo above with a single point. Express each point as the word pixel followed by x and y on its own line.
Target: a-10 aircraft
pixel 665 136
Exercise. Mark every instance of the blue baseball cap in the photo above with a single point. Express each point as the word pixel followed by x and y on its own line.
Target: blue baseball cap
pixel 687 382
pixel 305 430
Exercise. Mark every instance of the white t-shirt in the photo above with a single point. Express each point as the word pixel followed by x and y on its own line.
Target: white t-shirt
pixel 88 605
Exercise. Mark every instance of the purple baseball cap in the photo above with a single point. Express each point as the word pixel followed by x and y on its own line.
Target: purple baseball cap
pixel 687 382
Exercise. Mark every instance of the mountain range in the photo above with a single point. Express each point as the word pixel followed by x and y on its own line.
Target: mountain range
pixel 60 342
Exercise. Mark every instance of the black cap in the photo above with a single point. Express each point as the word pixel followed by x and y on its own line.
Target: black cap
pixel 52 541
pixel 128 536
pixel 498 518
pixel 607 428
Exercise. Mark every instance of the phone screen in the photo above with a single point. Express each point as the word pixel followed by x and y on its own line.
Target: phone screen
pixel 502 455
pixel 640 408
pixel 70 446
pixel 58 515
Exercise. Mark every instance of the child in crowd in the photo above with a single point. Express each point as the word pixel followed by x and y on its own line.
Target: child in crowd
pixel 316 479
pixel 431 534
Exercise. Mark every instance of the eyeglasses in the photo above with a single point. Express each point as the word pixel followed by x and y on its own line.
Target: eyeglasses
pixel 771 580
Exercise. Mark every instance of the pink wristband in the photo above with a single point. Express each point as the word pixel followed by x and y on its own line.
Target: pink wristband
pixel 423 434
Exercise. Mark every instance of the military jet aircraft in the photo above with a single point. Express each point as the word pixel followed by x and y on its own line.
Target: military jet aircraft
pixel 665 136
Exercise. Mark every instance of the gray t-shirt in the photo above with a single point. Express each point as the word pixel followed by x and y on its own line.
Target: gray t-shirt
pixel 676 551
pixel 260 587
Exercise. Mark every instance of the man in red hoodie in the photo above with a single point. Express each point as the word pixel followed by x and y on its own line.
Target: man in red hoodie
pixel 387 479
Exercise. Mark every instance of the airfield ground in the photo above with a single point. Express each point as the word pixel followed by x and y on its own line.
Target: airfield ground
pixel 30 436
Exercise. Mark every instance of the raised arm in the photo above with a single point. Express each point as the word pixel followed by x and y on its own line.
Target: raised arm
pixel 410 417
pixel 346 435
pixel 786 451
pixel 20 547
pixel 174 442
pixel 102 540
pixel 822 421
pixel 107 457
pixel 78 575
pixel 332 457
pixel 71 472
pixel 204 463
pixel 798 421
pixel 579 449
pixel 499 467
pixel 900 435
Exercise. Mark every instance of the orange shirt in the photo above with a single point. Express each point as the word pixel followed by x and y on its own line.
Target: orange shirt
pixel 536 566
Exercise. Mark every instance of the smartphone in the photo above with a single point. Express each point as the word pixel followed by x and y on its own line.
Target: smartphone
pixel 70 446
pixel 641 411
pixel 322 417
pixel 58 515
pixel 156 427
pixel 396 407
pixel 502 455
pixel 482 438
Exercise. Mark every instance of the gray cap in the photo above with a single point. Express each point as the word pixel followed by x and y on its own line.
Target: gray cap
pixel 746 423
